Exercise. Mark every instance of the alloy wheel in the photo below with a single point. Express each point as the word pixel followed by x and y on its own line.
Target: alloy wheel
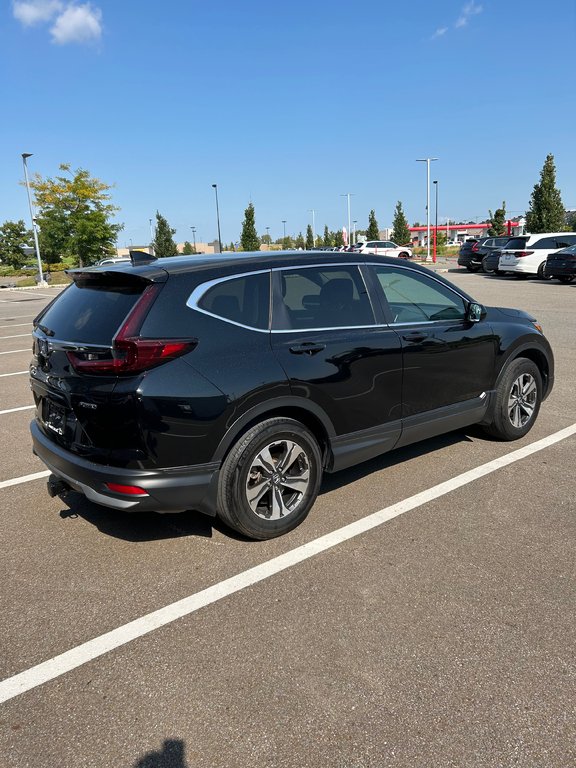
pixel 278 479
pixel 522 400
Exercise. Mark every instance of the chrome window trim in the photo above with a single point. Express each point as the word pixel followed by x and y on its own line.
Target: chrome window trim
pixel 203 288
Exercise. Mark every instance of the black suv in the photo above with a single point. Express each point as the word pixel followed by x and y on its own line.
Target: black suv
pixel 229 384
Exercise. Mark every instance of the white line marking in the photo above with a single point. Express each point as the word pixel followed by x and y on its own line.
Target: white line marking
pixel 16 373
pixel 16 336
pixel 19 317
pixel 14 325
pixel 12 351
pixel 98 646
pixel 23 479
pixel 21 408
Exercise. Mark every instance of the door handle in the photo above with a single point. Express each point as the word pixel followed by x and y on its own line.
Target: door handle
pixel 307 348
pixel 415 336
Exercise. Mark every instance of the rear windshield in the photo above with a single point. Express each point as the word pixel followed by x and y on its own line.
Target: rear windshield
pixel 516 244
pixel 89 312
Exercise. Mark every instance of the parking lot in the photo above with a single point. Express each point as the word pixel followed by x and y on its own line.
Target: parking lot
pixel 423 615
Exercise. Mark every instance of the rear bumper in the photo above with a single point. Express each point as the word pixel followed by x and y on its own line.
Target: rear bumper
pixel 174 489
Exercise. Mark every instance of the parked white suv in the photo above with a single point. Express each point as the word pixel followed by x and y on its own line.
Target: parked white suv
pixel 526 254
pixel 383 248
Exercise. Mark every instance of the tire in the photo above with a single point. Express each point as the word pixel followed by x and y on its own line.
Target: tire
pixel 518 398
pixel 566 278
pixel 403 255
pixel 473 267
pixel 260 496
pixel 541 274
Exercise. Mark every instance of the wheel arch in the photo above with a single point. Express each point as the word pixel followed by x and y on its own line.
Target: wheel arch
pixel 538 357
pixel 307 413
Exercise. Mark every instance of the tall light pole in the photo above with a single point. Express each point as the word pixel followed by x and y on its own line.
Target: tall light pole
pixel 354 223
pixel 348 195
pixel 427 160
pixel 25 156
pixel 194 237
pixel 269 241
pixel 313 212
pixel 284 241
pixel 436 221
pixel 218 216
pixel 151 237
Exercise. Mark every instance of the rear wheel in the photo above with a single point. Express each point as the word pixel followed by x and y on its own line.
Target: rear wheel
pixel 518 399
pixel 473 267
pixel 541 273
pixel 270 479
pixel 403 255
pixel 566 278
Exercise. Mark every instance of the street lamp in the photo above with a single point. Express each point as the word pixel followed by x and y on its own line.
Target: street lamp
pixel 25 156
pixel 269 240
pixel 355 222
pixel 151 237
pixel 427 160
pixel 348 195
pixel 284 241
pixel 313 212
pixel 194 237
pixel 218 216
pixel 436 221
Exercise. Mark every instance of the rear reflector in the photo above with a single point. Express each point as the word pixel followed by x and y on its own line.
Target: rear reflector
pixel 518 254
pixel 129 490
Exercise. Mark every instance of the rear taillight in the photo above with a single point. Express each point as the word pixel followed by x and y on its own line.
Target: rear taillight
pixel 131 354
pixel 519 254
pixel 475 247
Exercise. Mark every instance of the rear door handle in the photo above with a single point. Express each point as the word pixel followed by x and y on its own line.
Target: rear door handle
pixel 307 348
pixel 415 336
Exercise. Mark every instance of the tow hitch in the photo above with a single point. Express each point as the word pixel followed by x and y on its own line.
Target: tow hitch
pixel 57 487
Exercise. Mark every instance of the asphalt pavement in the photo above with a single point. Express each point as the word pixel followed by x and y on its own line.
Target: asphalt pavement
pixel 439 632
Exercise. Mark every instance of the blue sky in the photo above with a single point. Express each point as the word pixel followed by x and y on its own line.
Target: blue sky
pixel 289 106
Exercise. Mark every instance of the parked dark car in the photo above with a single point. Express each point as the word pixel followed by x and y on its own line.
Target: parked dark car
pixel 491 244
pixel 490 262
pixel 468 254
pixel 562 265
pixel 229 384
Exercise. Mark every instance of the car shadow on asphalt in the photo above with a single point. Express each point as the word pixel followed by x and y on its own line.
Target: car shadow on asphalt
pixel 150 526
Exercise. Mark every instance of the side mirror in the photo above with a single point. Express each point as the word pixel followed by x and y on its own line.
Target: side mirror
pixel 474 313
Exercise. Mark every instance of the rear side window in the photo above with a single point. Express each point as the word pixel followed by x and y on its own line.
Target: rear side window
pixel 322 297
pixel 516 244
pixel 244 300
pixel 90 312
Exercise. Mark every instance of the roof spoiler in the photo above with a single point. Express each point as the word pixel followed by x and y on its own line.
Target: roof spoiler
pixel 137 258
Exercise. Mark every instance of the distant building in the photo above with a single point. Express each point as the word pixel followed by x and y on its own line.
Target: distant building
pixel 461 232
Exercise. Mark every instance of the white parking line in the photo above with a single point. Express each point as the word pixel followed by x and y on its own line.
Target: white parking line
pixel 21 408
pixel 16 373
pixel 13 351
pixel 98 646
pixel 14 325
pixel 17 336
pixel 23 479
pixel 19 317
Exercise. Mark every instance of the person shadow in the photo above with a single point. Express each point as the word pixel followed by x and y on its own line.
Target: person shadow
pixel 171 755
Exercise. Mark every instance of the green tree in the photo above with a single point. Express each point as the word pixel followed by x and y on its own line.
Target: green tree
pixel 401 231
pixel 164 245
pixel 188 249
pixel 571 220
pixel 300 242
pixel 337 238
pixel 249 239
pixel 372 233
pixel 74 216
pixel 319 241
pixel 13 235
pixel 327 237
pixel 497 221
pixel 546 212
pixel 309 238
pixel 266 239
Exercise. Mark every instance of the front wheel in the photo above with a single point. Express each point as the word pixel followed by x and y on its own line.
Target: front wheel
pixel 518 398
pixel 403 255
pixel 541 272
pixel 270 479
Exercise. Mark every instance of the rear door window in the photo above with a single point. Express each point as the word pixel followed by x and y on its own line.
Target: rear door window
pixel 90 311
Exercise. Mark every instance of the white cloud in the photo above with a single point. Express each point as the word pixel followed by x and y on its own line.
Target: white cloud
pixel 439 32
pixel 35 11
pixel 470 9
pixel 77 24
